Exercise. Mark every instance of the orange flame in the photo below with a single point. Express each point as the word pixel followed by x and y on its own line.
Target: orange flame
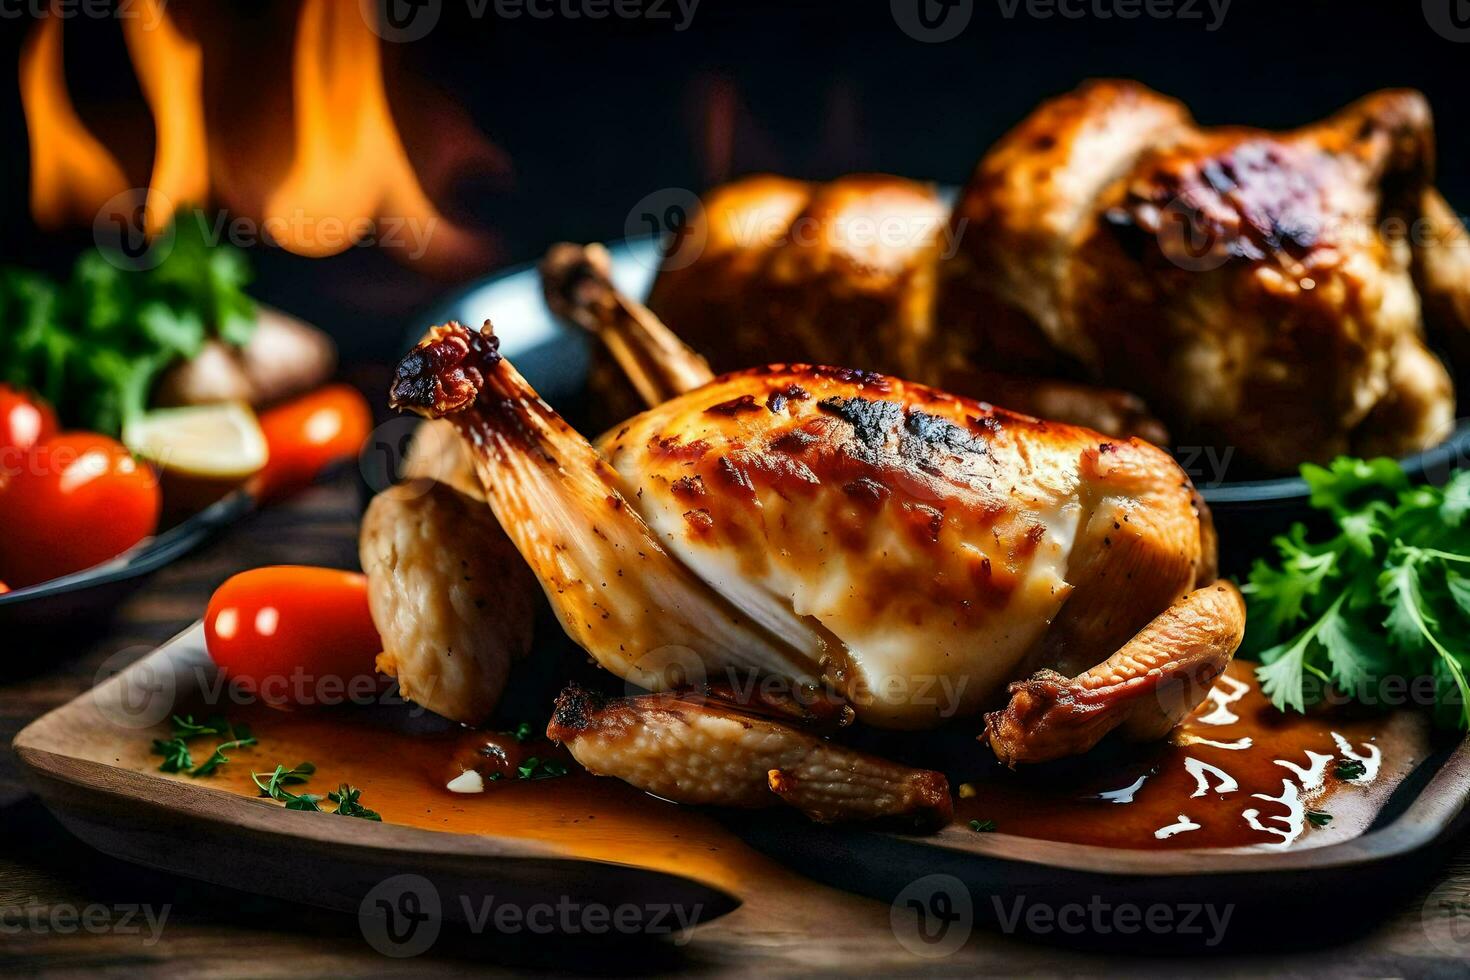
pixel 350 162
pixel 349 176
pixel 170 70
pixel 72 174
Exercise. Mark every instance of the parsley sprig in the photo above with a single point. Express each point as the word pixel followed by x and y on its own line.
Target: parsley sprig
pixel 1388 594
pixel 177 756
pixel 347 797
pixel 94 344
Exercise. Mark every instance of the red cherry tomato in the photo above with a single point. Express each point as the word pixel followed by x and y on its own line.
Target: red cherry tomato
pixel 77 500
pixel 24 421
pixel 307 434
pixel 294 635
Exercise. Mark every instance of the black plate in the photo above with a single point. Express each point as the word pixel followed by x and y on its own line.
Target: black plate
pixel 93 591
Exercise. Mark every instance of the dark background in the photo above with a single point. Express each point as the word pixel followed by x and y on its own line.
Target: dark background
pixel 593 115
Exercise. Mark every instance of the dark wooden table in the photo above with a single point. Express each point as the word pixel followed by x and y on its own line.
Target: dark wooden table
pixel 47 878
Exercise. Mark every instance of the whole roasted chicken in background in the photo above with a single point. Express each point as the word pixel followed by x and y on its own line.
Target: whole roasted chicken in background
pixel 844 273
pixel 904 550
pixel 1266 291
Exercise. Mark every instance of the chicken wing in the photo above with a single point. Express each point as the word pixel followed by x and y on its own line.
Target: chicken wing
pixel 692 749
pixel 450 596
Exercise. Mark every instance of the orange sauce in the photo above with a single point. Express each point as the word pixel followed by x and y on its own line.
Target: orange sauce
pixel 404 776
pixel 1236 773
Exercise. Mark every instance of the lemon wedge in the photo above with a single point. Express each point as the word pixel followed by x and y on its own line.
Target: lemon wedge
pixel 220 442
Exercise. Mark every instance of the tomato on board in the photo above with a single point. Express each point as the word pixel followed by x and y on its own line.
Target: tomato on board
pixel 25 420
pixel 309 433
pixel 295 635
pixel 75 501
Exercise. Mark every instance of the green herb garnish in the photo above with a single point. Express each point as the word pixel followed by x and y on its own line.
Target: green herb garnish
pixel 1388 594
pixel 982 826
pixel 94 345
pixel 175 750
pixel 347 805
pixel 186 727
pixel 1350 769
pixel 1318 818
pixel 273 784
pixel 535 768
pixel 218 758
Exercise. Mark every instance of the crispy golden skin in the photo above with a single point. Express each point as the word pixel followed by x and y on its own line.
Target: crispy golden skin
pixel 771 269
pixel 1142 690
pixel 1249 285
pixel 914 550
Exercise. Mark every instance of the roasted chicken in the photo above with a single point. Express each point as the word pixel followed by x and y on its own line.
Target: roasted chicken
pixel 1262 290
pixel 452 599
pixel 695 749
pixel 912 551
pixel 844 273
pixel 1266 291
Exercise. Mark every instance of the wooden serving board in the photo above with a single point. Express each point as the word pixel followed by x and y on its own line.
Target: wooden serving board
pixel 89 761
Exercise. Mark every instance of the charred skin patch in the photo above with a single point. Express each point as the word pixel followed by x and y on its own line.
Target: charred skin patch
pixel 446 372
pixel 576 707
pixel 735 406
pixel 777 400
pixel 688 487
pixel 919 434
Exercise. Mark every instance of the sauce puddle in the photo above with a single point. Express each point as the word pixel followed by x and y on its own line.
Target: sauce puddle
pixel 1237 773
